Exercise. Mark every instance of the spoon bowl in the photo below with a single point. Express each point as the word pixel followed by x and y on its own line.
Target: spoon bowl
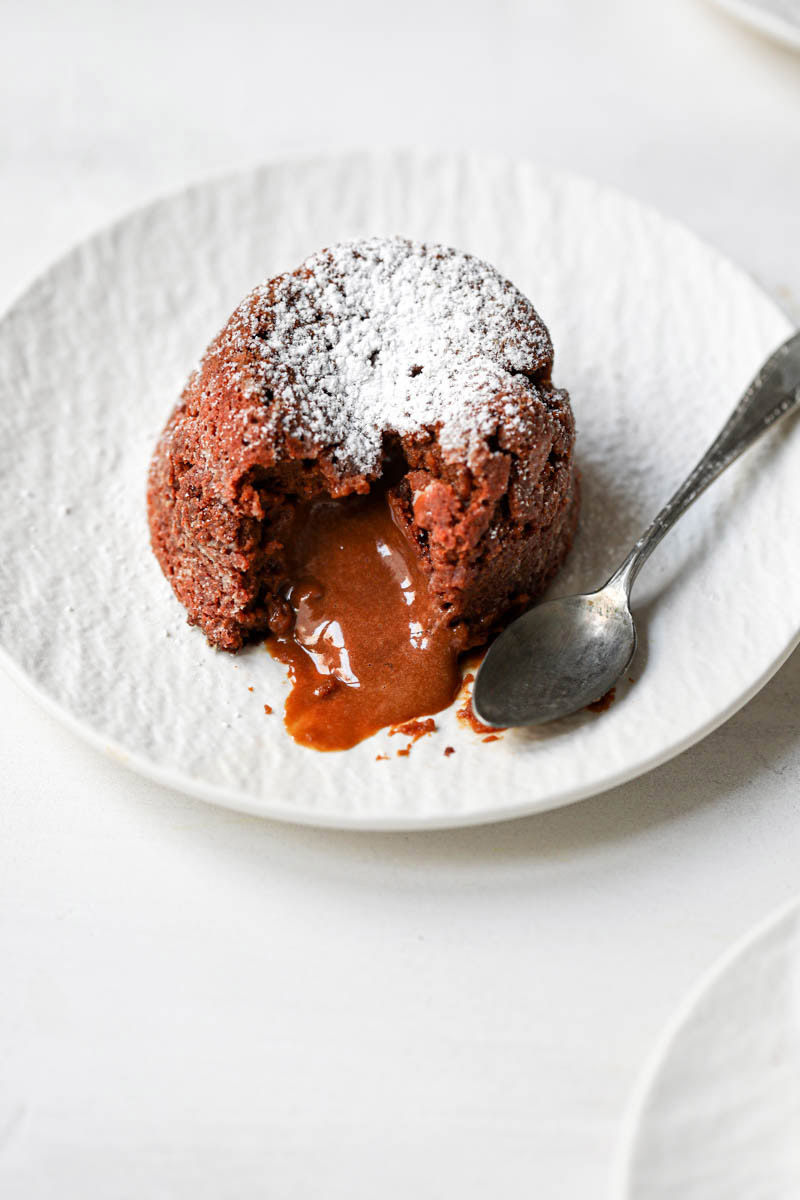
pixel 557 657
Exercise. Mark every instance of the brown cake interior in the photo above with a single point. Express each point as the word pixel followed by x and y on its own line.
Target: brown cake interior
pixel 485 544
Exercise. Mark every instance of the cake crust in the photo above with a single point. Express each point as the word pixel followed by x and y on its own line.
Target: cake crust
pixel 378 360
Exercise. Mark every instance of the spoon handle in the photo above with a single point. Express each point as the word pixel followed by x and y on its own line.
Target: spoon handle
pixel 774 392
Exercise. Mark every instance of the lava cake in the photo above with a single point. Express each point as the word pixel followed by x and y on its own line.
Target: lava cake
pixel 371 465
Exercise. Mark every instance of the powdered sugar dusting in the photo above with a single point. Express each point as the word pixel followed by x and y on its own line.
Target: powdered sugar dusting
pixel 390 335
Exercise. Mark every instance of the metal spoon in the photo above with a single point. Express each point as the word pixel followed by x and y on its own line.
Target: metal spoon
pixel 564 654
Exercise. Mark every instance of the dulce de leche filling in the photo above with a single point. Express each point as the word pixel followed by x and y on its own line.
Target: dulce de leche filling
pixel 368 647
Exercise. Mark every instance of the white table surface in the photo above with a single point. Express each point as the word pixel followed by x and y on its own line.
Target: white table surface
pixel 198 1004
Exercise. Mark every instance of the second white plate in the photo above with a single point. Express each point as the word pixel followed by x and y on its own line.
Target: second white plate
pixel 776 19
pixel 656 336
pixel 717 1113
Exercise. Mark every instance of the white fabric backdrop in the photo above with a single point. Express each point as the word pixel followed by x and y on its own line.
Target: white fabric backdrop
pixel 193 1003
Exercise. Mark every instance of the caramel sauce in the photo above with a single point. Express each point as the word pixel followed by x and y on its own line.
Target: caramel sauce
pixel 368 647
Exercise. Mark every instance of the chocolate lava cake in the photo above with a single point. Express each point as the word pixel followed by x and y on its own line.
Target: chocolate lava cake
pixel 381 363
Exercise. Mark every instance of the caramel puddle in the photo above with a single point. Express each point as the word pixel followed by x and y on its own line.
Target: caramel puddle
pixel 368 648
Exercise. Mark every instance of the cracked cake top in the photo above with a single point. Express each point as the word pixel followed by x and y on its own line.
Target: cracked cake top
pixel 383 335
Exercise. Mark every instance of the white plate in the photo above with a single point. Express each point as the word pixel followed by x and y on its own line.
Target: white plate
pixel 716 1115
pixel 776 19
pixel 656 336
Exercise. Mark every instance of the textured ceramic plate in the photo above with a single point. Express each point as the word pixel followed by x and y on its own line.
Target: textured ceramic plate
pixel 656 336
pixel 717 1114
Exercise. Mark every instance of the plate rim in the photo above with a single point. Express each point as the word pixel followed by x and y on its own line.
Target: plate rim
pixel 677 1021
pixel 229 798
pixel 761 21
pixel 395 822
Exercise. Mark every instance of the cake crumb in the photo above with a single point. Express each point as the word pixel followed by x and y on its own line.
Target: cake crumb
pixel 250 689
pixel 267 709
pixel 448 750
pixel 414 729
pixel 466 714
pixel 604 703
pixel 381 758
pixel 405 752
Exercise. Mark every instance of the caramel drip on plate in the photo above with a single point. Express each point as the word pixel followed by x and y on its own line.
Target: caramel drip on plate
pixel 369 647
